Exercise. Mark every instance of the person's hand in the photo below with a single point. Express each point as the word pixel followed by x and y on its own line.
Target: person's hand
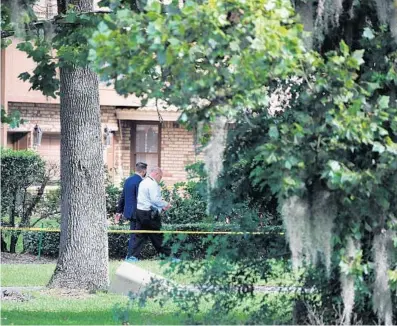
pixel 117 217
pixel 166 208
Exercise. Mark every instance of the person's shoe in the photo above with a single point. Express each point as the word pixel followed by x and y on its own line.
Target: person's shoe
pixel 131 259
pixel 175 260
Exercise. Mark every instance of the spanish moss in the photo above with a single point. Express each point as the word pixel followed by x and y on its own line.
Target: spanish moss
pixel 382 301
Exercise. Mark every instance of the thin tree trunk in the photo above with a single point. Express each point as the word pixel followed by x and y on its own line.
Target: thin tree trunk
pixel 83 255
pixel 3 244
pixel 83 258
pixel 13 242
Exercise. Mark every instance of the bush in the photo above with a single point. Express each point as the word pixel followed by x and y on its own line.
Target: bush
pixel 190 246
pixel 112 194
pixel 189 199
pixel 187 204
pixel 19 171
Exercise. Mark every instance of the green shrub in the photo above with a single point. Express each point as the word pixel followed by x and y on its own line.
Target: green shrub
pixel 49 243
pixel 187 204
pixel 190 246
pixel 112 194
pixel 19 171
pixel 189 199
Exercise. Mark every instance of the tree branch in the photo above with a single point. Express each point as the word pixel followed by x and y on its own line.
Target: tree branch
pixel 44 217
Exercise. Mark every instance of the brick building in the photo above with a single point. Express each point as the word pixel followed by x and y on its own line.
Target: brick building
pixel 135 132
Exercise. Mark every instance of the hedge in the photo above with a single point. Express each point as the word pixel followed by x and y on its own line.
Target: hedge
pixel 190 246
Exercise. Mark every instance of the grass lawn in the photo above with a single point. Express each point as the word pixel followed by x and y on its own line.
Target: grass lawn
pixel 40 274
pixel 57 307
pixel 48 308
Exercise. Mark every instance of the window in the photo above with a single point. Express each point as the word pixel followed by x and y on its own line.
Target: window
pixel 145 144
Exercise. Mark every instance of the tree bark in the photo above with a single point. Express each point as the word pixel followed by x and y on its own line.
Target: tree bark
pixel 13 243
pixel 83 255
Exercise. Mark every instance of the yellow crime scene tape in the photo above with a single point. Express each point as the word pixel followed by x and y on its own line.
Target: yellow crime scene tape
pixel 145 231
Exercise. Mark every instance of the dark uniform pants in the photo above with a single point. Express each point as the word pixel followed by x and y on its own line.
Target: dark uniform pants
pixel 144 221
pixel 132 236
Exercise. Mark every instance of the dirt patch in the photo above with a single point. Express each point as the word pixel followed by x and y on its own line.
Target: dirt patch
pixel 7 258
pixel 9 295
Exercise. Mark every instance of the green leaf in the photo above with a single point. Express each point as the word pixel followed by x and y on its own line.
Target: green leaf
pixel 378 147
pixel 71 17
pixel 169 56
pixel 273 132
pixel 358 55
pixel 334 165
pixel 24 76
pixel 344 48
pixel 384 102
pixel 368 33
pixel 234 46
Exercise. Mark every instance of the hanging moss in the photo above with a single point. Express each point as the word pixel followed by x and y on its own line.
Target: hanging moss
pixel 296 216
pixel 387 14
pixel 305 10
pixel 382 8
pixel 323 211
pixel 347 283
pixel 309 225
pixel 213 152
pixel 393 20
pixel 382 301
pixel 327 15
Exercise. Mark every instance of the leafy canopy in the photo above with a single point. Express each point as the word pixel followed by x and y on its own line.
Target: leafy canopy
pixel 203 58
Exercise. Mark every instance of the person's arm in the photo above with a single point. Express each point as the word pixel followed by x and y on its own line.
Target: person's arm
pixel 135 197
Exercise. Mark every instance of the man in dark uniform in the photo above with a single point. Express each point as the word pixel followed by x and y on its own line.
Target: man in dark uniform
pixel 128 202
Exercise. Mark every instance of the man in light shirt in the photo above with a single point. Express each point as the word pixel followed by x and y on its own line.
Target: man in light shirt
pixel 149 197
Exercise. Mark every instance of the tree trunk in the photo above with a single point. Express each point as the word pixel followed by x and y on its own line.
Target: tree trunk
pixel 83 254
pixel 83 257
pixel 13 243
pixel 3 244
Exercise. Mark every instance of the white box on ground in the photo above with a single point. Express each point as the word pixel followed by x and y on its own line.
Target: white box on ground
pixel 131 278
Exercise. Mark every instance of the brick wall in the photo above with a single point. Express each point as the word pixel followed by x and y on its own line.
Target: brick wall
pixel 45 115
pixel 123 151
pixel 48 118
pixel 177 151
pixel 177 144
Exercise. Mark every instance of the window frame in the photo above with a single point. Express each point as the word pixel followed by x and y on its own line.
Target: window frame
pixel 133 141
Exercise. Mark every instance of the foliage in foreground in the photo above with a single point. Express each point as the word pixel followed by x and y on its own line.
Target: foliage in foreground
pixel 330 159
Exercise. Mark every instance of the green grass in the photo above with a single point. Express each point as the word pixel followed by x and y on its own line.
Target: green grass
pixel 40 274
pixel 94 309
pixel 50 308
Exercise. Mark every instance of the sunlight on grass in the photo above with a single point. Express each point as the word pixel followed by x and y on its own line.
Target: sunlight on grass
pixel 40 274
pixel 92 309
pixel 48 307
pixel 51 307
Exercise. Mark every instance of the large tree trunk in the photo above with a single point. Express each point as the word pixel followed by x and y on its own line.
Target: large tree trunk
pixel 83 257
pixel 83 254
